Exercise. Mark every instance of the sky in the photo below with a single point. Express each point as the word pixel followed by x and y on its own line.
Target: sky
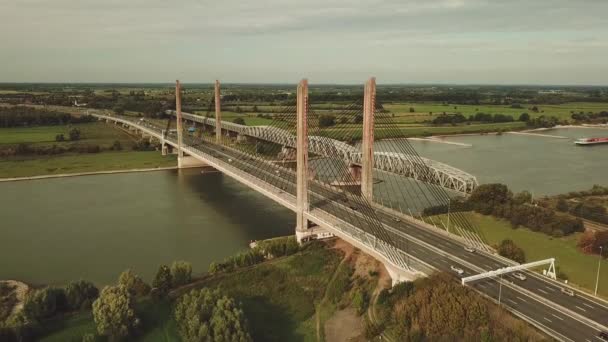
pixel 326 41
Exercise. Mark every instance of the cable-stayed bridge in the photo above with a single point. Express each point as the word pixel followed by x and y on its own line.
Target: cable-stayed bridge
pixel 343 189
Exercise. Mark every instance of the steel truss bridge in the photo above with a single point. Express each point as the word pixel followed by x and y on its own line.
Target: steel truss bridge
pixel 407 246
pixel 401 164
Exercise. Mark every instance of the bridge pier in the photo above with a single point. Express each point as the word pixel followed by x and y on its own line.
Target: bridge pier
pixel 302 204
pixel 367 145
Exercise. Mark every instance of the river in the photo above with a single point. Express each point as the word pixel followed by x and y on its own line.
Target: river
pixel 57 230
pixel 93 227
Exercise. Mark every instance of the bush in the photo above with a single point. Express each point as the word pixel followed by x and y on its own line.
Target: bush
pixel 74 134
pixel 327 120
pixel 163 280
pixel 45 303
pixel 59 137
pixel 116 146
pixel 208 315
pixel 239 121
pixel 509 249
pixel 81 294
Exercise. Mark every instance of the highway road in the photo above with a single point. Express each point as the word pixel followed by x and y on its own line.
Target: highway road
pixel 536 299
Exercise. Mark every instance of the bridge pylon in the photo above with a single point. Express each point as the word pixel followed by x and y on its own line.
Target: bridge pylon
pixel 178 115
pixel 367 144
pixel 302 203
pixel 218 114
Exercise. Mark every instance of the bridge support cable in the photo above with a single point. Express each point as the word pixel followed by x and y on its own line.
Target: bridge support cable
pixel 435 196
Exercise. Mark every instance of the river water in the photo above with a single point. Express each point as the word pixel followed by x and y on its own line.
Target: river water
pixel 94 227
pixel 57 230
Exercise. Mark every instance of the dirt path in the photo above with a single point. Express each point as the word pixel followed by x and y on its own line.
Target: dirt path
pixel 384 281
pixel 348 251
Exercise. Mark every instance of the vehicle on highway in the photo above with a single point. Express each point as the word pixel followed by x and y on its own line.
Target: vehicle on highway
pixel 397 219
pixel 469 249
pixel 567 292
pixel 457 269
pixel 603 335
pixel 519 276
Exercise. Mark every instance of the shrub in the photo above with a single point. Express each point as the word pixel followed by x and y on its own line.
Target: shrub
pixel 114 314
pixel 239 121
pixel 509 249
pixel 327 120
pixel 81 294
pixel 74 134
pixel 59 137
pixel 133 283
pixel 162 281
pixel 45 303
pixel 181 273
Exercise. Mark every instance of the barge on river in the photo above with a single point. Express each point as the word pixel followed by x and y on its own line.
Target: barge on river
pixel 591 141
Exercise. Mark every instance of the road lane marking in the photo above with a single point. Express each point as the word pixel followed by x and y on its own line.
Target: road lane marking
pixel 550 289
pixel 557 317
pixel 548 320
pixel 578 307
pixel 518 297
pixel 585 304
pixel 543 291
pixel 512 301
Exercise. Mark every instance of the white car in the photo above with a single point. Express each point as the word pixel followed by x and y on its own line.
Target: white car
pixel 457 269
pixel 519 276
pixel 469 249
pixel 567 292
pixel 397 219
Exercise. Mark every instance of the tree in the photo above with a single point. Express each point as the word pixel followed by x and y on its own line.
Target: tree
pixel 488 196
pixel 116 146
pixel 522 198
pixel 239 121
pixel 358 119
pixel 509 249
pixel 181 273
pixel 44 303
pixel 327 120
pixel 118 110
pixel 412 110
pixel 60 137
pixel 81 294
pixel 74 134
pixel 162 280
pixel 114 314
pixel 562 205
pixel 254 109
pixel 591 241
pixel 524 117
pixel 134 284
pixel 208 315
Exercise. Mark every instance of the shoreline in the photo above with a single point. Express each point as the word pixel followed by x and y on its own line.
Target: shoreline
pixel 91 173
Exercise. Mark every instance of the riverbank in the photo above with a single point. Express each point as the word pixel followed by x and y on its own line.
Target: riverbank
pixel 83 163
pixel 16 179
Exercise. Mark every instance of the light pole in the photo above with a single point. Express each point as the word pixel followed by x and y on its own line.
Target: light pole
pixel 449 200
pixel 599 263
pixel 499 288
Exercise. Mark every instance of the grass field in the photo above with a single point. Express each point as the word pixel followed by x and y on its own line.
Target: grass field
pixel 580 268
pixel 74 163
pixel 96 133
pixel 422 110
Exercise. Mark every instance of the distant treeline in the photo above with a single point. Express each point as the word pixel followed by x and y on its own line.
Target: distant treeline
pixel 19 116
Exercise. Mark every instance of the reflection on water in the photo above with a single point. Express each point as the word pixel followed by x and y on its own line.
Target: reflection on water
pixel 57 230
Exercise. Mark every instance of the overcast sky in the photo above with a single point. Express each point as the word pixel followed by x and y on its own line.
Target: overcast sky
pixel 346 41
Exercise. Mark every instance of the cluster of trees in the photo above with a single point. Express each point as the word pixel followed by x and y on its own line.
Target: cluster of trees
pixel 591 241
pixel 478 117
pixel 587 209
pixel 590 117
pixel 73 134
pixel 264 250
pixel 46 303
pixel 19 116
pixel 498 200
pixel 24 149
pixel 438 309
pixel 209 315
pixel 543 121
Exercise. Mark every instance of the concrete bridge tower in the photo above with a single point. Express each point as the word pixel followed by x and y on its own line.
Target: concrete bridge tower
pixel 367 145
pixel 179 122
pixel 218 114
pixel 302 204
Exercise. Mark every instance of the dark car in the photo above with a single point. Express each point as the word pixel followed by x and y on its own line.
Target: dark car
pixel 603 335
